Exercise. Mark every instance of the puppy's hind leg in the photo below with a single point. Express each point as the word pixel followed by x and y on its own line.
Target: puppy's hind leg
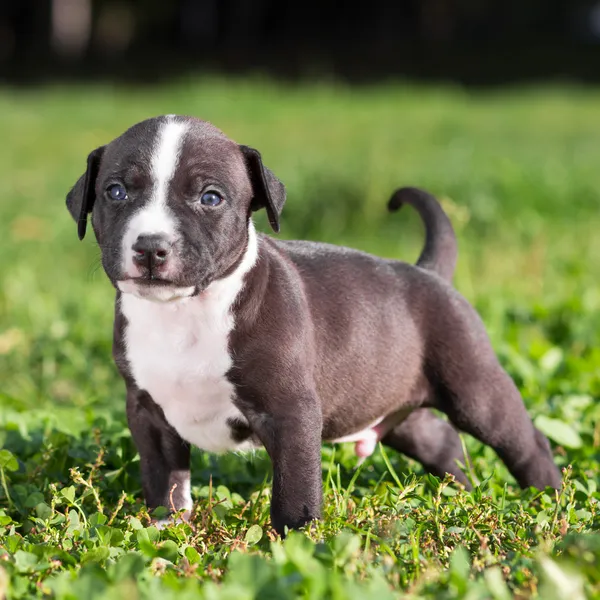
pixel 431 441
pixel 484 401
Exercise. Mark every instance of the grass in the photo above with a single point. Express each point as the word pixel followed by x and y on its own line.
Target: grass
pixel 518 173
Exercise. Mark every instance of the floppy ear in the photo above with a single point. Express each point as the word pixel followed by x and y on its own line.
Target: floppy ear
pixel 80 200
pixel 268 191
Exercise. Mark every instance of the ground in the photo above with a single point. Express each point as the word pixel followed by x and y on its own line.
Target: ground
pixel 518 172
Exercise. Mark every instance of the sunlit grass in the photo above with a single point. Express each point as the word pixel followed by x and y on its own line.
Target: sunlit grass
pixel 517 172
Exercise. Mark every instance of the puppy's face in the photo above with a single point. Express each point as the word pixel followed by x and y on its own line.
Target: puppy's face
pixel 171 200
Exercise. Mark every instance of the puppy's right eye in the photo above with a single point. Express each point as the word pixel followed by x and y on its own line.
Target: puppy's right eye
pixel 211 198
pixel 117 192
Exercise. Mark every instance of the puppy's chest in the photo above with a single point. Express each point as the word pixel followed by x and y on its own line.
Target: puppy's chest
pixel 179 355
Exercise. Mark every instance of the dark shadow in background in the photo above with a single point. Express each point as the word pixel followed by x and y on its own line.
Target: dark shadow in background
pixel 474 42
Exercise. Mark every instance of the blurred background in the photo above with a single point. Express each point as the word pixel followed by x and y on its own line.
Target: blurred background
pixel 473 41
pixel 493 106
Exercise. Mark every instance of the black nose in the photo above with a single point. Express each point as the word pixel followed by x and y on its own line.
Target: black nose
pixel 151 250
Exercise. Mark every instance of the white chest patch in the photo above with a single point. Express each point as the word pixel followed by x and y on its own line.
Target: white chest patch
pixel 178 352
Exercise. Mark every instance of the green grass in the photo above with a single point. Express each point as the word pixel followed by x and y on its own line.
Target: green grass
pixel 519 174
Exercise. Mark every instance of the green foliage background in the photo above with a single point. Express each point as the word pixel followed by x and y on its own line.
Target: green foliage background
pixel 518 172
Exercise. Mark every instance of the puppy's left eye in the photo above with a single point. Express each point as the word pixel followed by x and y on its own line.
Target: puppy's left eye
pixel 211 199
pixel 117 192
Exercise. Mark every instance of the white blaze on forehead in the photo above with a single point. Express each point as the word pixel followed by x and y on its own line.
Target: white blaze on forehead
pixel 165 158
pixel 155 217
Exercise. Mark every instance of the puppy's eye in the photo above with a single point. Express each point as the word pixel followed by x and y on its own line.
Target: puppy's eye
pixel 117 192
pixel 211 199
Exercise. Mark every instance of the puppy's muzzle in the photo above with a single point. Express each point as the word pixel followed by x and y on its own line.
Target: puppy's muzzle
pixel 151 254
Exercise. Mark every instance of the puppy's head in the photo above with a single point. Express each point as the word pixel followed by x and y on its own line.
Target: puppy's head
pixel 171 201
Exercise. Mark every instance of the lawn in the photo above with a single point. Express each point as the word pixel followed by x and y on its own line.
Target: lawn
pixel 519 173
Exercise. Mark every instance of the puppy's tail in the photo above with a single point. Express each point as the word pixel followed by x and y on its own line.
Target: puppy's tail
pixel 440 251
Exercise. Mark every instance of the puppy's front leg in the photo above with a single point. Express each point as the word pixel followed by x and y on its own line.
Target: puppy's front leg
pixel 292 437
pixel 164 455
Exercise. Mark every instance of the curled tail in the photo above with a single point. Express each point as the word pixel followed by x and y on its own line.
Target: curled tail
pixel 440 251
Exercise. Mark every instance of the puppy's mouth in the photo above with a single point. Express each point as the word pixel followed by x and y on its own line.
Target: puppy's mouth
pixel 156 289
pixel 152 280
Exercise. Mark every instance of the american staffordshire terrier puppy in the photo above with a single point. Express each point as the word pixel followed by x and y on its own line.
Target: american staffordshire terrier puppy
pixel 228 339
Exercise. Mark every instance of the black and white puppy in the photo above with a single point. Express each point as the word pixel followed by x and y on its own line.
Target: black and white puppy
pixel 229 340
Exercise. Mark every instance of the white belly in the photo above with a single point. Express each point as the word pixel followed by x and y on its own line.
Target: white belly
pixel 182 361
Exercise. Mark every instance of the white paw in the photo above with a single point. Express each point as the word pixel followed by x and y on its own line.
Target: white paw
pixel 170 521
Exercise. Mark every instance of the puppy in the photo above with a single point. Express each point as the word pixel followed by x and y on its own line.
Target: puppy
pixel 229 339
